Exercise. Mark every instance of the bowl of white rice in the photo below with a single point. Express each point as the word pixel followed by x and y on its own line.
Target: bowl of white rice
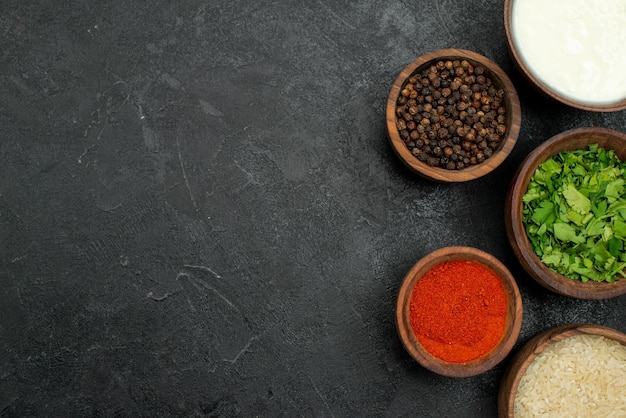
pixel 576 370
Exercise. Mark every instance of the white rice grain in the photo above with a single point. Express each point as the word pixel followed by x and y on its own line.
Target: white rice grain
pixel 580 376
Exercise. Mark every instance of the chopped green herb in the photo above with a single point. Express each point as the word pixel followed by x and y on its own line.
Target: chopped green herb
pixel 575 214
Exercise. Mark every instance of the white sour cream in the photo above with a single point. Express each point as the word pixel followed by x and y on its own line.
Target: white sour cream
pixel 576 47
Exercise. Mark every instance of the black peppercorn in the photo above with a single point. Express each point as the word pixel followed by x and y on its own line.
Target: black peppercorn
pixel 451 114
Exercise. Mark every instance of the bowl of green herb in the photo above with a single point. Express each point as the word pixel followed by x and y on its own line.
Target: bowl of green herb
pixel 565 213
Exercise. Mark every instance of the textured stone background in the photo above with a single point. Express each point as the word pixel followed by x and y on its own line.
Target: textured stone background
pixel 200 213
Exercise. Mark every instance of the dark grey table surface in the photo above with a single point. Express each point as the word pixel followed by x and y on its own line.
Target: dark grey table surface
pixel 200 213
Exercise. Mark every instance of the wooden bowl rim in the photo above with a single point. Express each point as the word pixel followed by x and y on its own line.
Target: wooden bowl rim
pixel 514 312
pixel 535 346
pixel 516 231
pixel 513 122
pixel 543 87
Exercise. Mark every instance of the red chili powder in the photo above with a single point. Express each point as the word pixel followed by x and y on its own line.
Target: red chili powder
pixel 458 311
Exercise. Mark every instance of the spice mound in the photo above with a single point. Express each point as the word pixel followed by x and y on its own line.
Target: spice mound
pixel 451 114
pixel 580 376
pixel 458 311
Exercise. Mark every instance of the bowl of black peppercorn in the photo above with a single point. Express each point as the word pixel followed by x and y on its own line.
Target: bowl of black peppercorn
pixel 452 115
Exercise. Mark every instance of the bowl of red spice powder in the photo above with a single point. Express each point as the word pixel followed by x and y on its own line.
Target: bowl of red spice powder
pixel 459 311
pixel 452 115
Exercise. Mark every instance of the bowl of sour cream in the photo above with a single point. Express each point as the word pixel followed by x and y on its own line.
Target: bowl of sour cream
pixel 572 50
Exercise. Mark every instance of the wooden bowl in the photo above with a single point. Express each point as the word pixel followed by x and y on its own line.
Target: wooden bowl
pixel 566 141
pixel 513 316
pixel 525 356
pixel 513 117
pixel 531 77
